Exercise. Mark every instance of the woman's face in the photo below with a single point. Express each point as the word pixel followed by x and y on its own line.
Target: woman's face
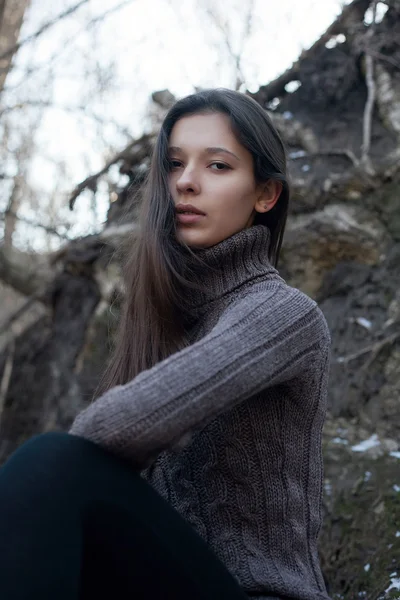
pixel 214 173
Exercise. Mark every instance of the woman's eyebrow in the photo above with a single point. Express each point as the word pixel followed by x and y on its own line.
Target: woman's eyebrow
pixel 211 150
pixel 218 150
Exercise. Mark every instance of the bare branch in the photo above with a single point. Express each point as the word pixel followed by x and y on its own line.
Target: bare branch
pixel 57 19
pixel 45 228
pixel 42 29
pixel 226 37
pixel 246 34
pixel 5 326
pixel 67 44
pixel 248 27
pixel 26 272
pixel 32 274
pixel 68 109
pixel 386 58
pixel 372 348
pixel 11 18
pixel 369 106
pixel 143 147
pixel 6 377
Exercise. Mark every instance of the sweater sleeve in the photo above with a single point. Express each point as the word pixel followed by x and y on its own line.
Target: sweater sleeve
pixel 266 338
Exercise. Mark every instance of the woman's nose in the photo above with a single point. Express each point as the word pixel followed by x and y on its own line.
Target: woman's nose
pixel 188 182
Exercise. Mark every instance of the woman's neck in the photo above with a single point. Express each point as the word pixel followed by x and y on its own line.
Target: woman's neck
pixel 229 264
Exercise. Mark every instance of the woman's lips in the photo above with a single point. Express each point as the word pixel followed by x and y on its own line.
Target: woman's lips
pixel 188 218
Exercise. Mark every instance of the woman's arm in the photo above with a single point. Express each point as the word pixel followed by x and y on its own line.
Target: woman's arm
pixel 266 338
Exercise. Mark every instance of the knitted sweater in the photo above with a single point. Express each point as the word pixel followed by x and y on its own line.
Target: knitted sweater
pixel 230 427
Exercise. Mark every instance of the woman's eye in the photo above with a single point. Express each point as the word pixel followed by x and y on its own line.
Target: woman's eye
pixel 221 166
pixel 174 163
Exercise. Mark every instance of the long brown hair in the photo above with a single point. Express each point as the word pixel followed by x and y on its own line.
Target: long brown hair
pixel 156 278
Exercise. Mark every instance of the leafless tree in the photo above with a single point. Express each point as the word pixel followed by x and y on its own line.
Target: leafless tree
pixel 11 17
pixel 28 95
pixel 232 43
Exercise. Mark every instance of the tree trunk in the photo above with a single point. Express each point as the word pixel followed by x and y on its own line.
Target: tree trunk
pixel 11 17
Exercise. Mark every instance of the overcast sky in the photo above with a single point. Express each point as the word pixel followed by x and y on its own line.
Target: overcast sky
pixel 146 45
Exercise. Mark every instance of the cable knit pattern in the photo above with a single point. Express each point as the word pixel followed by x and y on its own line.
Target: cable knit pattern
pixel 229 429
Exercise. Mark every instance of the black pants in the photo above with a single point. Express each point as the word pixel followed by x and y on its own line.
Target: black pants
pixel 75 522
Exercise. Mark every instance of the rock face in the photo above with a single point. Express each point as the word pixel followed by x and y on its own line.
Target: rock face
pixel 360 544
pixel 342 246
pixel 316 242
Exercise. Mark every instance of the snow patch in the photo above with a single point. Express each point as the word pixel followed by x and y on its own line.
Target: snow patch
pixel 366 323
pixel 339 440
pixel 297 154
pixel 367 444
pixel 394 585
pixel 292 86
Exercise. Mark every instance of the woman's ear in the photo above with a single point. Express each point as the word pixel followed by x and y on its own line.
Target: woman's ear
pixel 268 195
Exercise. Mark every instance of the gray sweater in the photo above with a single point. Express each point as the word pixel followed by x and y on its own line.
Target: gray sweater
pixel 228 430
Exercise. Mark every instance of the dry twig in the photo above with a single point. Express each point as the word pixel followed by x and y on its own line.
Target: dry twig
pixel 6 377
pixel 42 29
pixel 91 181
pixel 371 86
pixel 374 349
pixel 47 229
pixel 18 313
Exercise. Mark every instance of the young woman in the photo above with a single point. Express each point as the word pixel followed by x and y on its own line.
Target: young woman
pixel 197 471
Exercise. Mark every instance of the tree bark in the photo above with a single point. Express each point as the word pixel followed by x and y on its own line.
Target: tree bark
pixel 11 17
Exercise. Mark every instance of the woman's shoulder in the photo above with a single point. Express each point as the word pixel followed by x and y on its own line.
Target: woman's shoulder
pixel 279 289
pixel 281 303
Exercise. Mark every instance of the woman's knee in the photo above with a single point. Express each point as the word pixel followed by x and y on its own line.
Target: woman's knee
pixel 43 478
pixel 53 452
pixel 46 444
pixel 59 464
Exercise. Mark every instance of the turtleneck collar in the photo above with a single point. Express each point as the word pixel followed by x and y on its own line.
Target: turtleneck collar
pixel 231 263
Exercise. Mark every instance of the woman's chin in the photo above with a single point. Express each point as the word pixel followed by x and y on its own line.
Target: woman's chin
pixel 192 238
